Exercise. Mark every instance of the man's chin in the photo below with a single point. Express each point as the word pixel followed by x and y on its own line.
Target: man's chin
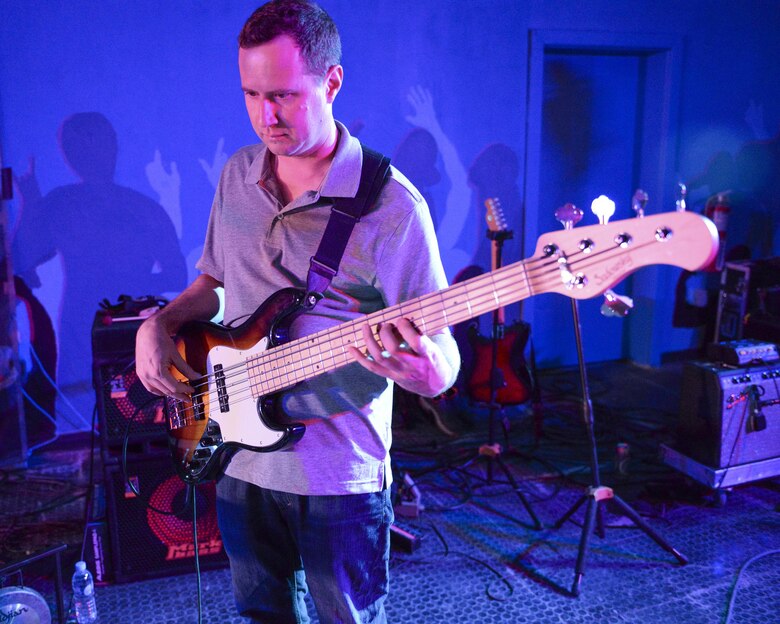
pixel 279 147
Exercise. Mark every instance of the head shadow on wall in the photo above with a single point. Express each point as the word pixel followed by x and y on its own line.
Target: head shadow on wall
pixel 110 241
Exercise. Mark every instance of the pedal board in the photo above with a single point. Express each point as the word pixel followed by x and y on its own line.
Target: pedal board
pixel 741 352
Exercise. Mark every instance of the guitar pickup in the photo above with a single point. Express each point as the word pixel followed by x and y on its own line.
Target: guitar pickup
pixel 198 409
pixel 222 393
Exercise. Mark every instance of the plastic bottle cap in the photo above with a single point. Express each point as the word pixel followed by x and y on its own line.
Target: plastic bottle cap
pixel 81 566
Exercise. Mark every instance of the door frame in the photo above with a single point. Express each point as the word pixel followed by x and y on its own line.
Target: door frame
pixel 656 157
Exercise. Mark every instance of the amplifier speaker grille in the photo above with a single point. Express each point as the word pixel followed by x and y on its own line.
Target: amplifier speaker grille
pixel 122 397
pixel 148 544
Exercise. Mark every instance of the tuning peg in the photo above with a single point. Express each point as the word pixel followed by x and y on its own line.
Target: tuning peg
pixel 616 305
pixel 603 207
pixel 682 192
pixel 638 202
pixel 568 215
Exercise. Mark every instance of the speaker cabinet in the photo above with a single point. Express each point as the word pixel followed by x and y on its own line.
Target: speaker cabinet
pixel 729 416
pixel 122 398
pixel 156 540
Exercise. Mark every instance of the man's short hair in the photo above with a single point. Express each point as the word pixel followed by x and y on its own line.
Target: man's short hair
pixel 312 29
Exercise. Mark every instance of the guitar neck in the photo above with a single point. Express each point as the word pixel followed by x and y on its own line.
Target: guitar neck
pixel 579 263
pixel 495 264
pixel 326 351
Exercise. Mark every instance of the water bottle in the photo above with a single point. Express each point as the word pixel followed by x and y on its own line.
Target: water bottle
pixel 84 595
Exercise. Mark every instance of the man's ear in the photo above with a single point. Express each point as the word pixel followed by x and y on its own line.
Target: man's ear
pixel 333 80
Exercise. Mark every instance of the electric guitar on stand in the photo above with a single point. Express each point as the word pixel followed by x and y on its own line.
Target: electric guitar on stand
pixel 249 366
pixel 514 383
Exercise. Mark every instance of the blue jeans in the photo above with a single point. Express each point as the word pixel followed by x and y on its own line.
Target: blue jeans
pixel 342 541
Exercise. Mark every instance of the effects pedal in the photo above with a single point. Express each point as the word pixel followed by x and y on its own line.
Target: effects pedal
pixel 741 352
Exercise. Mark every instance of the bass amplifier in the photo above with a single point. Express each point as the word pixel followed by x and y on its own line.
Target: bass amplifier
pixel 729 416
pixel 151 534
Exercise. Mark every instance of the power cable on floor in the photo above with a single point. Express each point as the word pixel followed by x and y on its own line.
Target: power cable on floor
pixel 743 567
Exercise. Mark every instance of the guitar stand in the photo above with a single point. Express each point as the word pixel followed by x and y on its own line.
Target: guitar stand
pixel 492 451
pixel 596 493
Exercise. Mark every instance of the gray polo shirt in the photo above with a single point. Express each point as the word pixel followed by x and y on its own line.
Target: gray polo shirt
pixel 255 246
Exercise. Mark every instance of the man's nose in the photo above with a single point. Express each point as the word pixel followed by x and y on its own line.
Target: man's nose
pixel 268 113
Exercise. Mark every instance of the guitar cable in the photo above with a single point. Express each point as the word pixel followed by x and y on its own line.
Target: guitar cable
pixel 144 499
pixel 59 391
pixel 198 583
pixel 446 552
pixel 190 494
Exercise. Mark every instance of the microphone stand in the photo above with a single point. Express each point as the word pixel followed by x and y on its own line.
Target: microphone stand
pixel 568 215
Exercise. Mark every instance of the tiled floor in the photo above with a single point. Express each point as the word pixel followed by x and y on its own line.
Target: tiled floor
pixel 480 558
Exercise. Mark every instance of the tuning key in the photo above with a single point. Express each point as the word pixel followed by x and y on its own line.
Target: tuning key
pixel 568 215
pixel 616 305
pixel 682 192
pixel 638 202
pixel 603 207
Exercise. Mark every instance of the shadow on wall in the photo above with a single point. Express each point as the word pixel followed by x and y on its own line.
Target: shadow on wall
pixel 111 240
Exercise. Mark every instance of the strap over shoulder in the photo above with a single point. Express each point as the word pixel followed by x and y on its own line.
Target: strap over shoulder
pixel 346 212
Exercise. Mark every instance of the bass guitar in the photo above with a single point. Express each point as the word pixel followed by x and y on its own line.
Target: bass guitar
pixel 248 366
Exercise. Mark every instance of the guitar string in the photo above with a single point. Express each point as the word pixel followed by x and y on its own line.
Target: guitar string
pixel 313 351
pixel 288 359
pixel 312 354
pixel 314 344
pixel 276 380
pixel 490 287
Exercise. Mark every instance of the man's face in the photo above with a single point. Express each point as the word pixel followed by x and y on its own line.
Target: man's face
pixel 290 109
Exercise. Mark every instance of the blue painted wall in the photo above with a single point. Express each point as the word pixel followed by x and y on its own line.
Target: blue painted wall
pixel 164 75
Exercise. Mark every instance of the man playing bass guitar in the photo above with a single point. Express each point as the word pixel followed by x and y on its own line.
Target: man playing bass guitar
pixel 321 505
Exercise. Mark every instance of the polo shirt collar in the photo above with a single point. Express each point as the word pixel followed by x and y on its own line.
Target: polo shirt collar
pixel 343 177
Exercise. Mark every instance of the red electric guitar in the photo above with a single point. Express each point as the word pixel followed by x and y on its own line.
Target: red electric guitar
pixel 247 367
pixel 509 341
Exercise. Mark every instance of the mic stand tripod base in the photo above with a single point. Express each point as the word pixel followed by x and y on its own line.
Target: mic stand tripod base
pixel 598 493
pixel 593 497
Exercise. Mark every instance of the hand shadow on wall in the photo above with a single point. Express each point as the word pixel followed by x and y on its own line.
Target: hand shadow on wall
pixel 110 239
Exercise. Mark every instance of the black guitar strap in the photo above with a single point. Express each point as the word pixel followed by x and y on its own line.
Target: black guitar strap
pixel 346 212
